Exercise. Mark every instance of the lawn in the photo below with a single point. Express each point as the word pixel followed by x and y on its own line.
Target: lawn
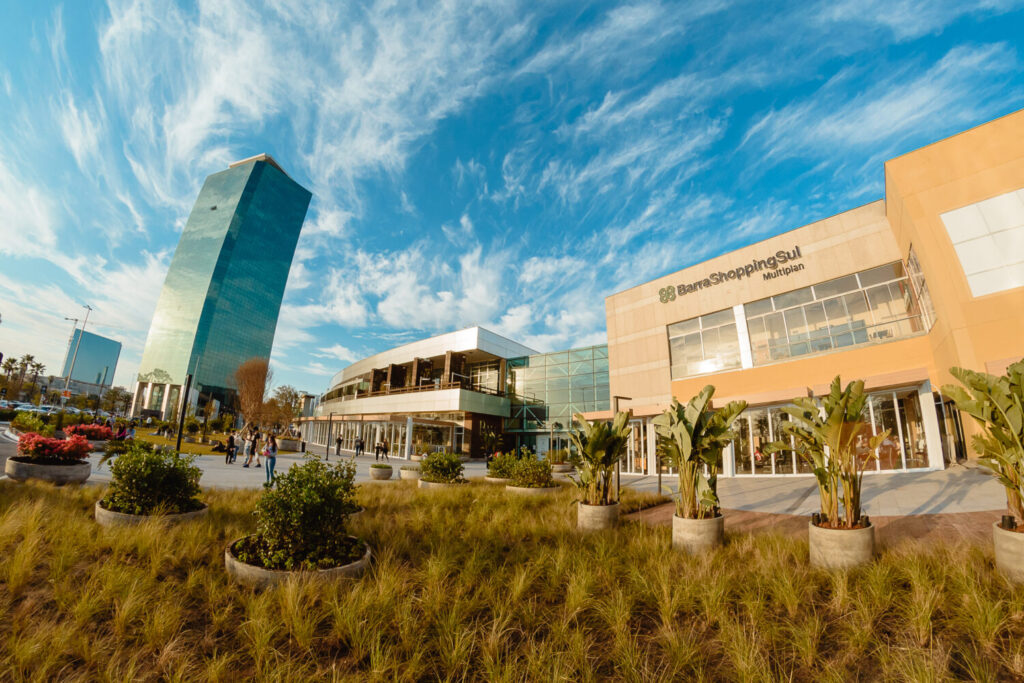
pixel 143 434
pixel 478 584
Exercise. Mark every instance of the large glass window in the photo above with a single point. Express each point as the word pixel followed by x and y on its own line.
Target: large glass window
pixel 924 297
pixel 706 344
pixel 871 306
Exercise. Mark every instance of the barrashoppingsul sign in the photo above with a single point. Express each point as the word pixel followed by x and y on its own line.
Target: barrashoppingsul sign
pixel 769 268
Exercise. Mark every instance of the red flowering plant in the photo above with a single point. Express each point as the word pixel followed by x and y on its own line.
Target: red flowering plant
pixel 91 432
pixel 46 451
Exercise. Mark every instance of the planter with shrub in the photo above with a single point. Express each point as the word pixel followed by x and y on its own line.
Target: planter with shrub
pixel 499 469
pixel 825 432
pixel 532 477
pixel 997 405
pixel 599 445
pixel 191 429
pixel 146 484
pixel 559 459
pixel 302 526
pixel 28 423
pixel 58 461
pixel 691 439
pixel 380 471
pixel 409 472
pixel 441 470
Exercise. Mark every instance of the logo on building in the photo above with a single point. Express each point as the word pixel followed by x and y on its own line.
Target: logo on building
pixel 770 268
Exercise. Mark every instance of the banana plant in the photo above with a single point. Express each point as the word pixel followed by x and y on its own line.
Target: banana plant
pixel 691 439
pixel 824 432
pixel 598 446
pixel 997 405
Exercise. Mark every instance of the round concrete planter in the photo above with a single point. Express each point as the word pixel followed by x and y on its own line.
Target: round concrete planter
pixel 105 517
pixel 409 474
pixel 562 468
pixel 596 517
pixel 189 439
pixel 695 536
pixel 439 484
pixel 415 458
pixel 289 444
pixel 55 474
pixel 532 490
pixel 497 480
pixel 251 575
pixel 1009 552
pixel 840 548
pixel 96 445
pixel 381 472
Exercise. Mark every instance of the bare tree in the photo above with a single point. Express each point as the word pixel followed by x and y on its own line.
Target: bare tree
pixel 253 379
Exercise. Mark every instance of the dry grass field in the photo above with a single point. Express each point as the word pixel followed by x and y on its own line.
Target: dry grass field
pixel 477 584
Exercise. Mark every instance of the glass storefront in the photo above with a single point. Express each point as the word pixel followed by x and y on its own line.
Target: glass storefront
pixel 905 447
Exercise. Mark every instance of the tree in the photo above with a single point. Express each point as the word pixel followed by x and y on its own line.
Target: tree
pixel 599 445
pixel 289 399
pixel 115 400
pixel 253 379
pixel 9 367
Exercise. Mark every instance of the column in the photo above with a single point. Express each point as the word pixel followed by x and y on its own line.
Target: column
pixel 652 448
pixel 931 426
pixel 746 356
pixel 408 438
pixel 163 403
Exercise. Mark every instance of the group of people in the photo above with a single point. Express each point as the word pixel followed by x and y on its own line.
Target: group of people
pixel 253 445
pixel 380 449
pixel 121 432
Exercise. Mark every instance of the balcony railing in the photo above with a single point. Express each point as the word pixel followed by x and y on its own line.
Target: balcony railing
pixel 432 386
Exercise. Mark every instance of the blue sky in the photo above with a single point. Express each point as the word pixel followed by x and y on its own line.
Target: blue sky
pixel 507 164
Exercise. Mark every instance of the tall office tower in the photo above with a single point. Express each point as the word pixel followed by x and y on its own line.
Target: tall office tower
pixel 221 299
pixel 95 360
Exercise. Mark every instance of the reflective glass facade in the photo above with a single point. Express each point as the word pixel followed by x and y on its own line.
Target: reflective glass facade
pixel 869 307
pixel 221 299
pixel 96 360
pixel 547 389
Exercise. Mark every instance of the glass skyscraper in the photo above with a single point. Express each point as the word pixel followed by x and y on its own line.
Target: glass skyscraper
pixel 221 299
pixel 95 360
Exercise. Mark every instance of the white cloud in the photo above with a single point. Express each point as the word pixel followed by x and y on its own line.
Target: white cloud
pixel 338 352
pixel 81 132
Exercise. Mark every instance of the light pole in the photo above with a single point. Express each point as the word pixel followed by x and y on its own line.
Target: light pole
pixel 618 463
pixel 327 446
pixel 74 357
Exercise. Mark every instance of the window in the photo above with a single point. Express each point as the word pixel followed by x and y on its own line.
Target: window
pixel 875 305
pixel 706 344
pixel 988 237
pixel 921 289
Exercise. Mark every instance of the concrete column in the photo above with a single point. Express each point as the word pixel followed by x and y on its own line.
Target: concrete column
pixel 746 355
pixel 163 403
pixel 652 448
pixel 728 461
pixel 932 436
pixel 408 437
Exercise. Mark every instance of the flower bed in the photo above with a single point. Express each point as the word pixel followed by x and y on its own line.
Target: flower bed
pixel 90 432
pixel 42 450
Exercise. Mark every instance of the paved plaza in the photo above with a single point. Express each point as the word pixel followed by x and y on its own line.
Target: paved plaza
pixel 956 490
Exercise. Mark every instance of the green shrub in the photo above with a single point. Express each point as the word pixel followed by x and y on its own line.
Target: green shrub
pixel 191 425
pixel 410 468
pixel 302 520
pixel 28 422
pixel 501 465
pixel 441 468
pixel 381 465
pixel 144 481
pixel 7 415
pixel 532 473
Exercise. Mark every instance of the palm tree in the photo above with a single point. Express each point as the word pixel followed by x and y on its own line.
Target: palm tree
pixel 9 366
pixel 37 368
pixel 23 364
pixel 599 445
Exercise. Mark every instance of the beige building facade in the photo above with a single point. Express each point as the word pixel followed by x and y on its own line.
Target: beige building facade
pixel 894 292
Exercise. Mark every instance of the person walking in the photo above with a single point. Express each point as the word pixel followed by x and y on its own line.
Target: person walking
pixel 229 452
pixel 384 448
pixel 360 446
pixel 270 456
pixel 247 449
pixel 337 446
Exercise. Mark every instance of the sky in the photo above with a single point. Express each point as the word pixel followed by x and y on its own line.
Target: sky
pixel 500 163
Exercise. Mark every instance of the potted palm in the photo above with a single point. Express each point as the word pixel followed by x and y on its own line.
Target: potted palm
pixel 532 477
pixel 147 484
pixel 997 405
pixel 599 445
pixel 58 461
pixel 824 432
pixel 691 438
pixel 302 528
pixel 500 467
pixel 441 470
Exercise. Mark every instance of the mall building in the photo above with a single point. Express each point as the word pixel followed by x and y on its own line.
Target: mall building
pixel 894 292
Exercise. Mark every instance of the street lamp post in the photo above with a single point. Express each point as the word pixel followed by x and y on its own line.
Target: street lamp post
pixel 74 357
pixel 327 441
